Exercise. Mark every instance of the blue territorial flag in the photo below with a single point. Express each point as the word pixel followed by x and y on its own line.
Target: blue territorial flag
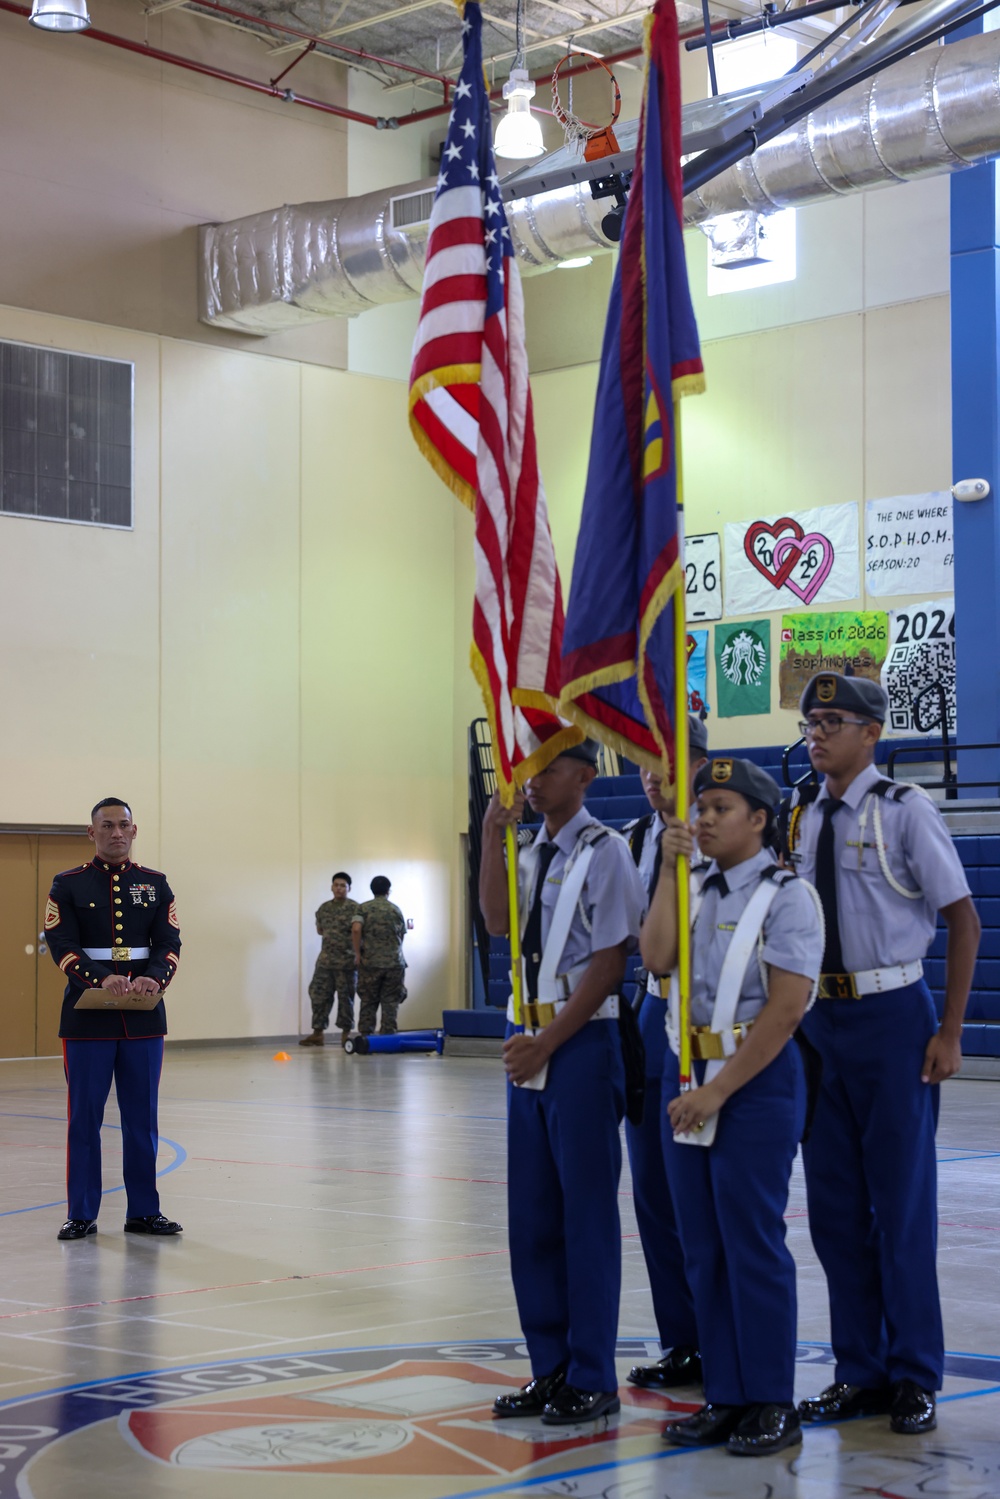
pixel 619 665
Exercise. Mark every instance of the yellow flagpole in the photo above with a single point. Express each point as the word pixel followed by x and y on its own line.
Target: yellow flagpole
pixel 515 919
pixel 682 797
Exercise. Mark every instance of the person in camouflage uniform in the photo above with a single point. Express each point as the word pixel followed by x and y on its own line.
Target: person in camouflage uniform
pixel 335 971
pixel 378 931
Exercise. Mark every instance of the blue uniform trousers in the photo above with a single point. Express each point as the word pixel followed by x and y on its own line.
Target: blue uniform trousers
pixel 871 1177
pixel 90 1067
pixel 563 1168
pixel 654 1208
pixel 730 1198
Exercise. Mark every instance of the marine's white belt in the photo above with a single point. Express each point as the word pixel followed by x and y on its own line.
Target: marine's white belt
pixel 607 1011
pixel 878 980
pixel 123 954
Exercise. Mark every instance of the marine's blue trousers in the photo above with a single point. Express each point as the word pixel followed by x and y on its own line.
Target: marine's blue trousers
pixel 563 1167
pixel 135 1068
pixel 673 1307
pixel 730 1198
pixel 871 1176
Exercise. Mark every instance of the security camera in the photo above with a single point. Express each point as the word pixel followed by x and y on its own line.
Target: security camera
pixel 970 489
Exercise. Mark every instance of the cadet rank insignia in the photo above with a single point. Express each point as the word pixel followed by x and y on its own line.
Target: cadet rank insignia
pixel 722 770
pixel 826 689
pixel 143 895
pixel 51 914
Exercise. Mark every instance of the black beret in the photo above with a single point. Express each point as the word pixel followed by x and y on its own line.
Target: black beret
pixel 828 689
pixel 588 752
pixel 742 776
pixel 697 734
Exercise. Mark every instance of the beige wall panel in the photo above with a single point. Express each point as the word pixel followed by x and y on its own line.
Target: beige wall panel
pixel 907 241
pixel 908 398
pixel 565 313
pixel 79 614
pixel 113 160
pixel 378 631
pixel 230 695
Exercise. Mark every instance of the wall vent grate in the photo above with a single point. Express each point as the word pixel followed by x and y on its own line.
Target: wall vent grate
pixel 65 436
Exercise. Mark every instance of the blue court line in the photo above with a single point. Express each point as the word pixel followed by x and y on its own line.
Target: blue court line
pixel 970 1394
pixel 986 1155
pixel 180 1156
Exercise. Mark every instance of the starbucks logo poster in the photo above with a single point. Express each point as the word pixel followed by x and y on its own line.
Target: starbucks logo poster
pixel 743 668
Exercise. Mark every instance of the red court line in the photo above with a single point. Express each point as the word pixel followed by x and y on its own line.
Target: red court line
pixel 236 1285
pixel 487 1181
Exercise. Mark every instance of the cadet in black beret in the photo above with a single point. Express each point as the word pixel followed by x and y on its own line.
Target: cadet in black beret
pixel 851 694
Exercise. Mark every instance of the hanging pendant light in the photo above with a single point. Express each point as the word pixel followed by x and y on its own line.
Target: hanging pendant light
pixel 60 15
pixel 519 133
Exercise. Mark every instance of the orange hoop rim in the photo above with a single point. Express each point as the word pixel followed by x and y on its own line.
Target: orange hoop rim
pixel 570 121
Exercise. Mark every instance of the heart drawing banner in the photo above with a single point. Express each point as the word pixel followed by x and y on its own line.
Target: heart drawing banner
pixel 808 557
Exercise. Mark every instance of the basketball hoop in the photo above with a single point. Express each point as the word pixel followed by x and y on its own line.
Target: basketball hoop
pixel 597 140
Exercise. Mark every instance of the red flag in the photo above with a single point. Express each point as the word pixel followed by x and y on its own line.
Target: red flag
pixel 471 415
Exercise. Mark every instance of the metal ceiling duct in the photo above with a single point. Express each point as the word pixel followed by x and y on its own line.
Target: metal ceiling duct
pixel 937 111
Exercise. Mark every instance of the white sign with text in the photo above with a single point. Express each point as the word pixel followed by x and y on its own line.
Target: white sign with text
pixel 909 545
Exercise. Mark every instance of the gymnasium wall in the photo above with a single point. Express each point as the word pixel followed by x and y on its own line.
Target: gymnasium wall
pixel 263 665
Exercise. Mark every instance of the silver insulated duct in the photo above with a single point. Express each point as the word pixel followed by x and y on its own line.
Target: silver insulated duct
pixel 936 111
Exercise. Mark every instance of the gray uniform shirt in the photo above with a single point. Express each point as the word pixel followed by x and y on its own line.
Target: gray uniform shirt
pixel 613 896
pixel 878 927
pixel 792 937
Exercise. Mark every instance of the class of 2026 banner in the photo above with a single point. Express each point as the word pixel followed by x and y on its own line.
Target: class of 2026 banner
pixel 808 557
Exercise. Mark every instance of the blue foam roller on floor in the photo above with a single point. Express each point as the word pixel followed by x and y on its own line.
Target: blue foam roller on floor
pixel 408 1041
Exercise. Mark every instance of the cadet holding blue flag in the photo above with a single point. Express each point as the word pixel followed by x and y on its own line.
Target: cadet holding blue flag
pixel 673 1307
pixel 884 865
pixel 729 1142
pixel 581 902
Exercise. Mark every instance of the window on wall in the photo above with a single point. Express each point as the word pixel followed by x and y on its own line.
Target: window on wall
pixel 740 64
pixel 65 436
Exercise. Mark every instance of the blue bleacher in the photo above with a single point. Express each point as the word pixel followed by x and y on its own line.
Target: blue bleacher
pixel 617 800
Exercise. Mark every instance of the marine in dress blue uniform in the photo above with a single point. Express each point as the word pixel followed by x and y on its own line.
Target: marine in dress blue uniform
pixel 105 920
pixel 673 1306
pixel 564 1148
pixel 730 1195
pixel 885 864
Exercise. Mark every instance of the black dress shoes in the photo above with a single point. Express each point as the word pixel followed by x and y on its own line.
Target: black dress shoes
pixel 570 1405
pixel 839 1402
pixel 681 1366
pixel 765 1429
pixel 154 1224
pixel 533 1398
pixel 913 1409
pixel 708 1427
pixel 77 1228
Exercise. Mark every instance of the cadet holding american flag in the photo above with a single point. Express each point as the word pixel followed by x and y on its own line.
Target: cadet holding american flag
pixel 470 411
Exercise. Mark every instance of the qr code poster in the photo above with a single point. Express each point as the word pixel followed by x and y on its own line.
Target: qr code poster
pixel 920 668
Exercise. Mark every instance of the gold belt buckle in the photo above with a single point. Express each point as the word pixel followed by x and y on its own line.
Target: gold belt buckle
pixel 122 955
pixel 838 986
pixel 538 1013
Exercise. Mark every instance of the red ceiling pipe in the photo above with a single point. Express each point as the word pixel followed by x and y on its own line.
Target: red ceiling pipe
pixel 306 36
pixel 209 72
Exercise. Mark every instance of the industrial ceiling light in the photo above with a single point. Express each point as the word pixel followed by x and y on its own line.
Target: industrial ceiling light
pixel 60 15
pixel 519 134
pixel 575 263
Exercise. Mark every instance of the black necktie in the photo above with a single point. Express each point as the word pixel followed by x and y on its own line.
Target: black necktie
pixel 716 881
pixel 826 886
pixel 657 865
pixel 532 943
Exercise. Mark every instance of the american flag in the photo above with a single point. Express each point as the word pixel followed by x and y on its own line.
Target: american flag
pixel 471 415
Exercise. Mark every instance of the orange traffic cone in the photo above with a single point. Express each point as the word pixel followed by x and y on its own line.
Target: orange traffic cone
pixel 282 1056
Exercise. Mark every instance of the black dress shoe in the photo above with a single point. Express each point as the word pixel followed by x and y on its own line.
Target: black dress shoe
pixel 839 1402
pixel 681 1366
pixel 708 1427
pixel 913 1409
pixel 154 1224
pixel 77 1228
pixel 765 1429
pixel 532 1398
pixel 570 1405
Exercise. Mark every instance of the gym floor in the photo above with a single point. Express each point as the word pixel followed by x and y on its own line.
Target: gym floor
pixel 337 1315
